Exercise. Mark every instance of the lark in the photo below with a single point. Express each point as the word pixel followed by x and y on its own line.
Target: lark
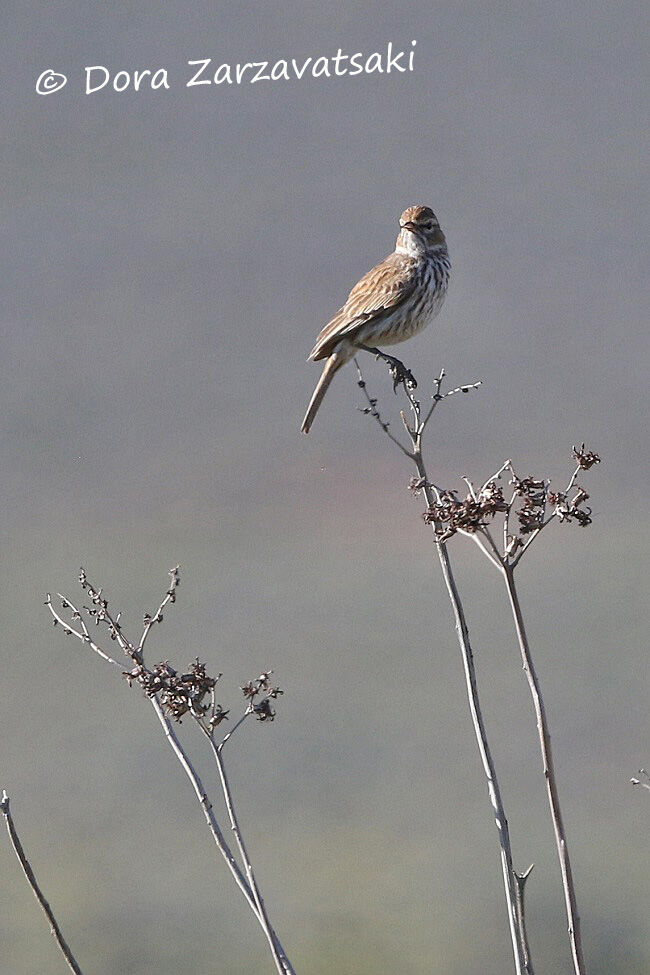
pixel 392 302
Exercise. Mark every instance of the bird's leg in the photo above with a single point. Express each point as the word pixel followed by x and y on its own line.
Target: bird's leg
pixel 398 371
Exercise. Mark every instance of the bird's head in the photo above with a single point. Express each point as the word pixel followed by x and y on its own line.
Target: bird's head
pixel 419 229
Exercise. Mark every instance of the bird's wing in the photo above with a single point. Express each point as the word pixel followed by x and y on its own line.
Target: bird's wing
pixel 377 294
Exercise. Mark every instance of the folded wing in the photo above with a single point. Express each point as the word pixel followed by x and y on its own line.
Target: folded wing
pixel 376 296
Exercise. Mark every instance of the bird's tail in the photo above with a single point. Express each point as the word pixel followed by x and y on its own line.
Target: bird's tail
pixel 333 364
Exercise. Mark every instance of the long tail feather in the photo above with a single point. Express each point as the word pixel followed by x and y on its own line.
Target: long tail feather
pixel 333 364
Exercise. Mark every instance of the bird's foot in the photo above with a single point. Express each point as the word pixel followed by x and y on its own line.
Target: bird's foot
pixel 400 375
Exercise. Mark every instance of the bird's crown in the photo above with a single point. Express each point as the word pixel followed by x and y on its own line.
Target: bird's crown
pixel 419 216
pixel 422 222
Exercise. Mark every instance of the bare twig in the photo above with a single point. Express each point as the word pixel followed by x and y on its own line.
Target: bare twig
pixel 374 413
pixel 477 538
pixel 38 894
pixel 247 713
pixel 151 681
pixel 205 804
pixel 522 960
pixel 170 597
pixel 280 959
pixel 573 919
pixel 521 879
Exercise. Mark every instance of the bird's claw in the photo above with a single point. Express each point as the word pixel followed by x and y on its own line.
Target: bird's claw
pixel 400 375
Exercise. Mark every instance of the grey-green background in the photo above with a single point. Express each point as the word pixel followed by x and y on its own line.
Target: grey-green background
pixel 168 258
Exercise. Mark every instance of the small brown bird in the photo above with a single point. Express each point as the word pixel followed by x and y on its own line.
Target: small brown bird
pixel 390 303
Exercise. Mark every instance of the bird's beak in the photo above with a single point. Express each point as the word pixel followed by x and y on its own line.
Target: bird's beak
pixel 407 225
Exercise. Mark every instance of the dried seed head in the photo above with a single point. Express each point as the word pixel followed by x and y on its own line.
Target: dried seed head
pixel 585 458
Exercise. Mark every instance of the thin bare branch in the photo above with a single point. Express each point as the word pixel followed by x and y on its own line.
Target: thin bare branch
pixel 438 397
pixel 407 383
pixel 523 964
pixel 205 803
pixel 520 880
pixel 485 532
pixel 101 615
pixel 38 894
pixel 83 634
pixel 506 466
pixel 573 919
pixel 476 537
pixel 469 485
pixel 374 413
pixel 170 597
pixel 281 961
pixel 247 713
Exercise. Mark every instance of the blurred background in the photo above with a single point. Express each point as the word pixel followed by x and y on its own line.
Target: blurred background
pixel 168 260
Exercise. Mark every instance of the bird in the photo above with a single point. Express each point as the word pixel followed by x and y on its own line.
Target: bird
pixel 392 302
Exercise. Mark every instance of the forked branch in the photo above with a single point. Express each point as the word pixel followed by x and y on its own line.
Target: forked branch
pixel 423 484
pixel 530 508
pixel 173 696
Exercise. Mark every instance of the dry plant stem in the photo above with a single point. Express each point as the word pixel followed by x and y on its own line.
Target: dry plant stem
pixel 533 519
pixel 513 891
pixel 521 879
pixel 205 804
pixel 521 953
pixel 573 919
pixel 180 753
pixel 250 893
pixel 31 880
pixel 281 961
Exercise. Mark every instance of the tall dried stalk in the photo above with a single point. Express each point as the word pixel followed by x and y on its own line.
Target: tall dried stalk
pixel 512 881
pixel 174 696
pixel 532 505
pixel 573 917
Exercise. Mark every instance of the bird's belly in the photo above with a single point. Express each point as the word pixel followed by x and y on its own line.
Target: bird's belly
pixel 406 323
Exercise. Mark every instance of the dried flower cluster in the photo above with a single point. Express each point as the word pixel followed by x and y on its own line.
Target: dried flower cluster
pixel 450 514
pixel 532 494
pixel 585 458
pixel 573 509
pixel 536 496
pixel 193 692
pixel 532 503
pixel 260 693
pixel 180 693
